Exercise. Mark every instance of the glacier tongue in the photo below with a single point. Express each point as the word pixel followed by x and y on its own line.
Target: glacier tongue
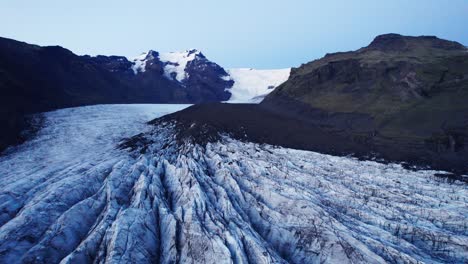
pixel 226 202
pixel 251 85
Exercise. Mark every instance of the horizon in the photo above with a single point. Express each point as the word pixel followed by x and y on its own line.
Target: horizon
pixel 238 40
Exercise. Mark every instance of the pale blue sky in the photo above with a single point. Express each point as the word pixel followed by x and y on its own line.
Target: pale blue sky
pixel 233 33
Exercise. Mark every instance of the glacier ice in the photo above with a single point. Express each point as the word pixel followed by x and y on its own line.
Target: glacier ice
pixel 72 196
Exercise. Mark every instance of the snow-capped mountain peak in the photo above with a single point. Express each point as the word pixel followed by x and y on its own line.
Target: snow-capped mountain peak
pixel 139 63
pixel 187 70
pixel 176 62
pixel 246 85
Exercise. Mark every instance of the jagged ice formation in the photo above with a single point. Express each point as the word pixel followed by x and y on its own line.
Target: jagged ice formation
pixel 70 200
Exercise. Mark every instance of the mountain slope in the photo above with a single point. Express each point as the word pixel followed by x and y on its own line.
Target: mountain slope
pixel 200 79
pixel 35 79
pixel 403 96
pixel 71 196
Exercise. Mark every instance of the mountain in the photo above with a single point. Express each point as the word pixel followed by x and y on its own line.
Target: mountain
pixel 71 195
pixel 213 83
pixel 405 97
pixel 200 79
pixel 400 99
pixel 35 79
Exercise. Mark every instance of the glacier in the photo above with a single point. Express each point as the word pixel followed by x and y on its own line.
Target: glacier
pixel 86 190
pixel 252 85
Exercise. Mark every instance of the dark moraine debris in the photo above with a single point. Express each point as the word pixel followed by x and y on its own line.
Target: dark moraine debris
pixel 204 123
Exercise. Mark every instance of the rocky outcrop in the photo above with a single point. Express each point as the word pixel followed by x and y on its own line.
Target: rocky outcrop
pixel 399 43
pixel 208 79
pixel 403 97
pixel 35 79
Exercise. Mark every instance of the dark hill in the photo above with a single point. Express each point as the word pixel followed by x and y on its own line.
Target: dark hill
pixel 401 99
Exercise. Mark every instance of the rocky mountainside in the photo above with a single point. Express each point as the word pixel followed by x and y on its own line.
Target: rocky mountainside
pixel 403 97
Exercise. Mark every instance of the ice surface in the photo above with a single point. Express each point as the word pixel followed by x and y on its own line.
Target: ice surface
pixel 251 86
pixel 71 196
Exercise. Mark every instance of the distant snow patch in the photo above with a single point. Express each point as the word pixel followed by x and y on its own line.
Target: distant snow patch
pixel 226 78
pixel 251 86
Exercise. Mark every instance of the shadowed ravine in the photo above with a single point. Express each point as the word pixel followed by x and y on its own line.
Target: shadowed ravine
pixel 227 201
